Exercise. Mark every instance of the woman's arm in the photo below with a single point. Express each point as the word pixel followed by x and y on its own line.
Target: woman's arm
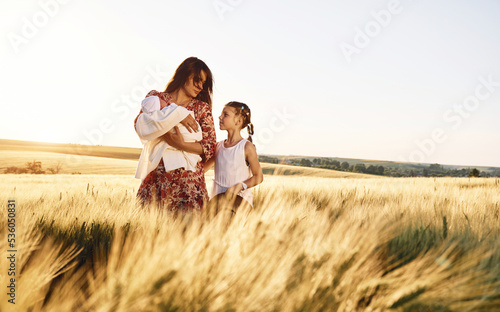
pixel 176 140
pixel 208 141
pixel 253 161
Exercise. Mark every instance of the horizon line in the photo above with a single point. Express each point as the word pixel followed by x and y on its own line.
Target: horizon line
pixel 275 155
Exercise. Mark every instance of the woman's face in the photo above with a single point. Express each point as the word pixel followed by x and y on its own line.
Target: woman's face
pixel 192 87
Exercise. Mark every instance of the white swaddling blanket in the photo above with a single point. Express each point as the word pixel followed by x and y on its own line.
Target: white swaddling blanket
pixel 151 125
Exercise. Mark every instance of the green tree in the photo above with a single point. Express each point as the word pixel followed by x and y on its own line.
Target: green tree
pixel 371 169
pixel 316 161
pixel 344 165
pixel 336 164
pixel 359 168
pixel 474 173
pixel 305 162
pixel 435 167
pixel 380 170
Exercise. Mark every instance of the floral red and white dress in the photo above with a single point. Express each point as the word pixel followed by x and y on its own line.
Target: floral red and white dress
pixel 181 190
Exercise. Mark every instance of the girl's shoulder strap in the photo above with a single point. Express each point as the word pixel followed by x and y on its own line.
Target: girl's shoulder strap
pixel 242 145
pixel 243 141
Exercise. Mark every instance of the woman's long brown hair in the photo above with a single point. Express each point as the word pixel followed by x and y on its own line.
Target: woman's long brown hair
pixel 192 66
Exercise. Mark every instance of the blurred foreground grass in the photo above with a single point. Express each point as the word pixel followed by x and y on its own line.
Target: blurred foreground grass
pixel 310 244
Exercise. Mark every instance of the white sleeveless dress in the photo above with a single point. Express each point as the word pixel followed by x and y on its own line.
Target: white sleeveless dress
pixel 231 168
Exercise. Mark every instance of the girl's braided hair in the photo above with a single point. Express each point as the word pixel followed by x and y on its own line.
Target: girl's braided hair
pixel 243 110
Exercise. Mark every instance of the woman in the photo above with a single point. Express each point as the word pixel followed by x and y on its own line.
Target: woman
pixel 181 190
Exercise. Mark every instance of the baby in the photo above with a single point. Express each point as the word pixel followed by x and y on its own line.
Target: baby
pixel 156 149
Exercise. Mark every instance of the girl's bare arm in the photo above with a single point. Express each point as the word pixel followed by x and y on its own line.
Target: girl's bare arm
pixel 253 161
pixel 208 164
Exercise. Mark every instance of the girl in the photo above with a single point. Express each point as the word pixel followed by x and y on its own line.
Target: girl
pixel 237 166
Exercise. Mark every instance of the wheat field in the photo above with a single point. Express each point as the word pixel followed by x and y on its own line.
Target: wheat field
pixel 310 244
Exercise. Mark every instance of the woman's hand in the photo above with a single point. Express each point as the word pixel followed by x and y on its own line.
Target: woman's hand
pixel 190 123
pixel 174 139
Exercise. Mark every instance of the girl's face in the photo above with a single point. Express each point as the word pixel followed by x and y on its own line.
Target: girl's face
pixel 228 119
pixel 192 87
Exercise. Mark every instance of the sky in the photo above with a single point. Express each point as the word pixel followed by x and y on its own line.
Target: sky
pixel 400 80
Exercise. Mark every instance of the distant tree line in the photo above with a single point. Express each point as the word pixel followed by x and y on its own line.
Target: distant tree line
pixel 436 170
pixel 433 170
pixel 267 159
pixel 34 167
pixel 345 166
